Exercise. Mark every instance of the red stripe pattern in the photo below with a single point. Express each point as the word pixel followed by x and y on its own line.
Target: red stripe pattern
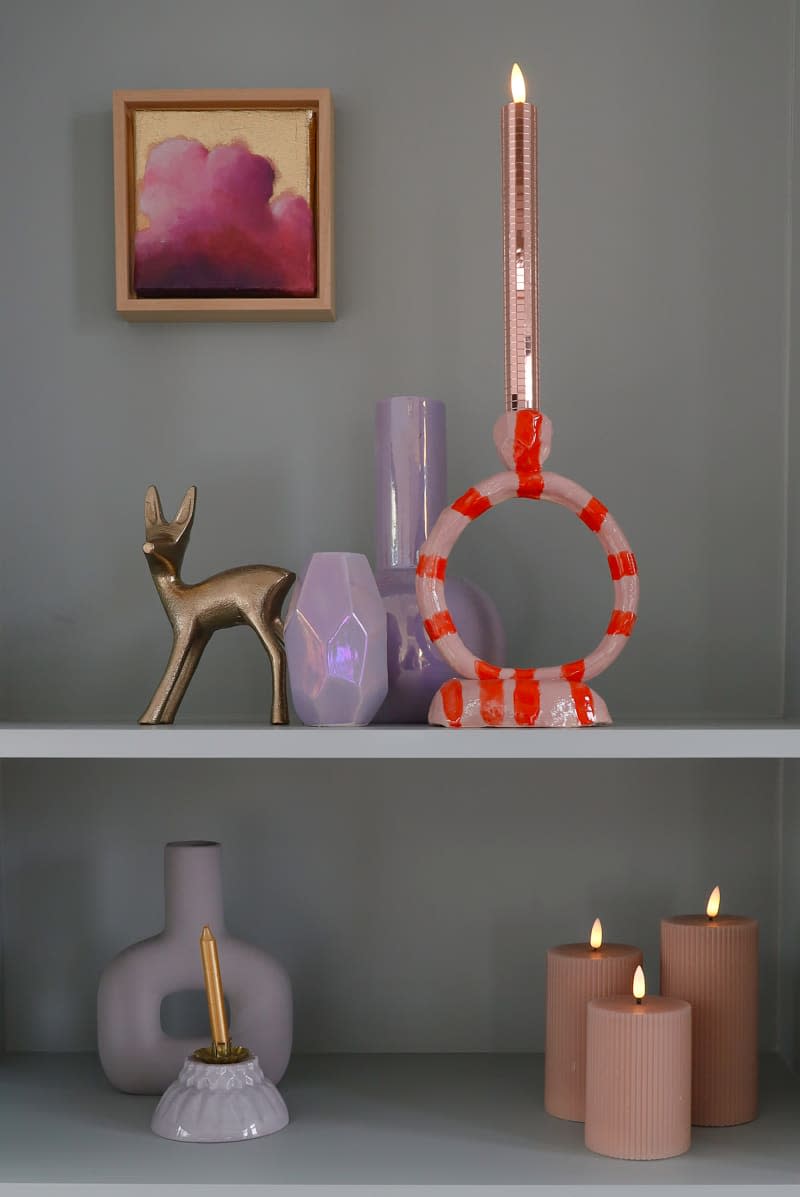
pixel 622 565
pixel 472 504
pixel 530 486
pixel 432 567
pixel 621 623
pixel 593 515
pixel 527 703
pixel 453 702
pixel 440 624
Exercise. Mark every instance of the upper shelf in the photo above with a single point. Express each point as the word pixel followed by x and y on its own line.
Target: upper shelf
pixel 765 739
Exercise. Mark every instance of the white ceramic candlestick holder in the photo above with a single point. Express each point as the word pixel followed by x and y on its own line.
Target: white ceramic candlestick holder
pixel 219 1103
pixel 488 695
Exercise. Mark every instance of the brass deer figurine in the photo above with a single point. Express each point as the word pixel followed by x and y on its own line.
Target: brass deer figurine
pixel 252 594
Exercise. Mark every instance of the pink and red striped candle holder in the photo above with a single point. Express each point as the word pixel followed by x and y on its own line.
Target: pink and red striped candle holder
pixel 487 695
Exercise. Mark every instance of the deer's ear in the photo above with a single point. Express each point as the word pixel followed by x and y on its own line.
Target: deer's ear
pixel 153 515
pixel 186 510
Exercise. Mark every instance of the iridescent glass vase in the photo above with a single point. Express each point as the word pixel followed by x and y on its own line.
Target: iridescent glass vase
pixel 411 490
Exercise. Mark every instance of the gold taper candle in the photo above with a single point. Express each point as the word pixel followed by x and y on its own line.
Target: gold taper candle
pixel 520 247
pixel 214 992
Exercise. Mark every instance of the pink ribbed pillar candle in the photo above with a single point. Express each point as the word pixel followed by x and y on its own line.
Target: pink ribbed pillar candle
pixel 575 973
pixel 638 1077
pixel 713 963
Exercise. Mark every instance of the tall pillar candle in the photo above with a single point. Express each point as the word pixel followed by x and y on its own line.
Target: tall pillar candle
pixel 711 960
pixel 577 972
pixel 638 1075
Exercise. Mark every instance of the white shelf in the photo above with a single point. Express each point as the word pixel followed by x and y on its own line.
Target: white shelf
pixel 765 739
pixel 363 1120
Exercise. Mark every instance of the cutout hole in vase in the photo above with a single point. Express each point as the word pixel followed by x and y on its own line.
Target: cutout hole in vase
pixel 184 1014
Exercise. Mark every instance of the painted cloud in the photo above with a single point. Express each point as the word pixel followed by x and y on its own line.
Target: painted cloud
pixel 215 228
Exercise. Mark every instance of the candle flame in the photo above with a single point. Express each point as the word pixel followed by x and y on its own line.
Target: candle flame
pixel 712 909
pixel 639 988
pixel 517 85
pixel 596 935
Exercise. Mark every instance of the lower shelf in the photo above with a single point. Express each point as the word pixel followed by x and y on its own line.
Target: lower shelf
pixel 365 1120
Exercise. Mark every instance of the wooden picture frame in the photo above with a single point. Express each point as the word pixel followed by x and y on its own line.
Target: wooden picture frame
pixel 130 305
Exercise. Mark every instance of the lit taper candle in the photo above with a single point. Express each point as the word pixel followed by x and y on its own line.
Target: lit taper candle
pixel 520 247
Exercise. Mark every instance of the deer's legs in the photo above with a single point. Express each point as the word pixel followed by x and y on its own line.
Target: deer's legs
pixel 185 674
pixel 270 633
pixel 157 710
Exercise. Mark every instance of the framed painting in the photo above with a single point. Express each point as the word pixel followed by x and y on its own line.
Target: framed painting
pixel 224 204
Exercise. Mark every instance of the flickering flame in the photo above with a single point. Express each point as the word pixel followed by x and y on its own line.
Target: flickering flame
pixel 596 934
pixel 639 988
pixel 517 85
pixel 712 909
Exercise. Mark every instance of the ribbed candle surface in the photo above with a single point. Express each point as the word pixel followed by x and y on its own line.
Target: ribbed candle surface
pixel 713 963
pixel 576 973
pixel 638 1077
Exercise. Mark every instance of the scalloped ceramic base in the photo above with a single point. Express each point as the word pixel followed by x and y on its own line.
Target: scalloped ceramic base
pixel 219 1103
pixel 462 702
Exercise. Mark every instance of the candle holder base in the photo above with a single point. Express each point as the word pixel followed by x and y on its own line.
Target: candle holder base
pixel 219 1103
pixel 489 695
pixel 463 702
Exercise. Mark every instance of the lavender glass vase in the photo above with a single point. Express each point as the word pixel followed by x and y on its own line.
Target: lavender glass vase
pixel 336 642
pixel 411 482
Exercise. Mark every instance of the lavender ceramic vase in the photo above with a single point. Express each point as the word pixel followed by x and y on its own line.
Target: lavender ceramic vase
pixel 411 491
pixel 136 1055
pixel 335 635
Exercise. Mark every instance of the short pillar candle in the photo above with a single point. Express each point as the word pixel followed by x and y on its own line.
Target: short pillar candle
pixel 577 972
pixel 638 1075
pixel 711 960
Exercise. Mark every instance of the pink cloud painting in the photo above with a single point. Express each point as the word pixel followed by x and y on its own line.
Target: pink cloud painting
pixel 216 230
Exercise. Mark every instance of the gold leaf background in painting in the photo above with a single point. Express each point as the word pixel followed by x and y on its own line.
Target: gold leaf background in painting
pixel 281 134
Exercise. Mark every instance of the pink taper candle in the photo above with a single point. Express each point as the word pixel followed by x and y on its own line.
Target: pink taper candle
pixel 638 1075
pixel 520 247
pixel 711 960
pixel 577 972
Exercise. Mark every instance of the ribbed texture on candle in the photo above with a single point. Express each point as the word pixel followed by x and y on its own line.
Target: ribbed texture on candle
pixel 638 1082
pixel 715 967
pixel 571 981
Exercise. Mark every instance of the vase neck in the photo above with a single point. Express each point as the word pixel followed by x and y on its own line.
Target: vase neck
pixel 193 888
pixel 410 476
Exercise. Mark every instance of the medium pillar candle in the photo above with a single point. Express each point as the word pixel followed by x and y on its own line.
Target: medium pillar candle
pixel 712 962
pixel 577 972
pixel 638 1076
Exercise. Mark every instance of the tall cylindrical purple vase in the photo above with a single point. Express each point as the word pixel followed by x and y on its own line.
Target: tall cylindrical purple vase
pixel 411 491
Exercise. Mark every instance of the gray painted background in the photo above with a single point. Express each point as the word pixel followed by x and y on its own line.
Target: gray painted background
pixel 663 162
pixel 413 907
pixel 410 918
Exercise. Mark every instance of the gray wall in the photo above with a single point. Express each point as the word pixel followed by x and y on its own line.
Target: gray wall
pixel 412 907
pixel 663 207
pixel 409 919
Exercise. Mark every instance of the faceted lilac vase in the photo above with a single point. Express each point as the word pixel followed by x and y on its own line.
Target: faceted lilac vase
pixel 335 635
pixel 411 491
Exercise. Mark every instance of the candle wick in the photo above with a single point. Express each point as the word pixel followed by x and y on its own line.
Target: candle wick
pixel 638 1001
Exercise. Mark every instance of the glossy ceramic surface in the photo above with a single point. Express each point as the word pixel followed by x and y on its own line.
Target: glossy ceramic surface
pixel 136 1055
pixel 519 697
pixel 336 642
pixel 219 1103
pixel 411 487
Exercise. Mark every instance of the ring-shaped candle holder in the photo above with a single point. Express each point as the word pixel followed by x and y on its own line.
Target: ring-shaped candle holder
pixel 489 695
